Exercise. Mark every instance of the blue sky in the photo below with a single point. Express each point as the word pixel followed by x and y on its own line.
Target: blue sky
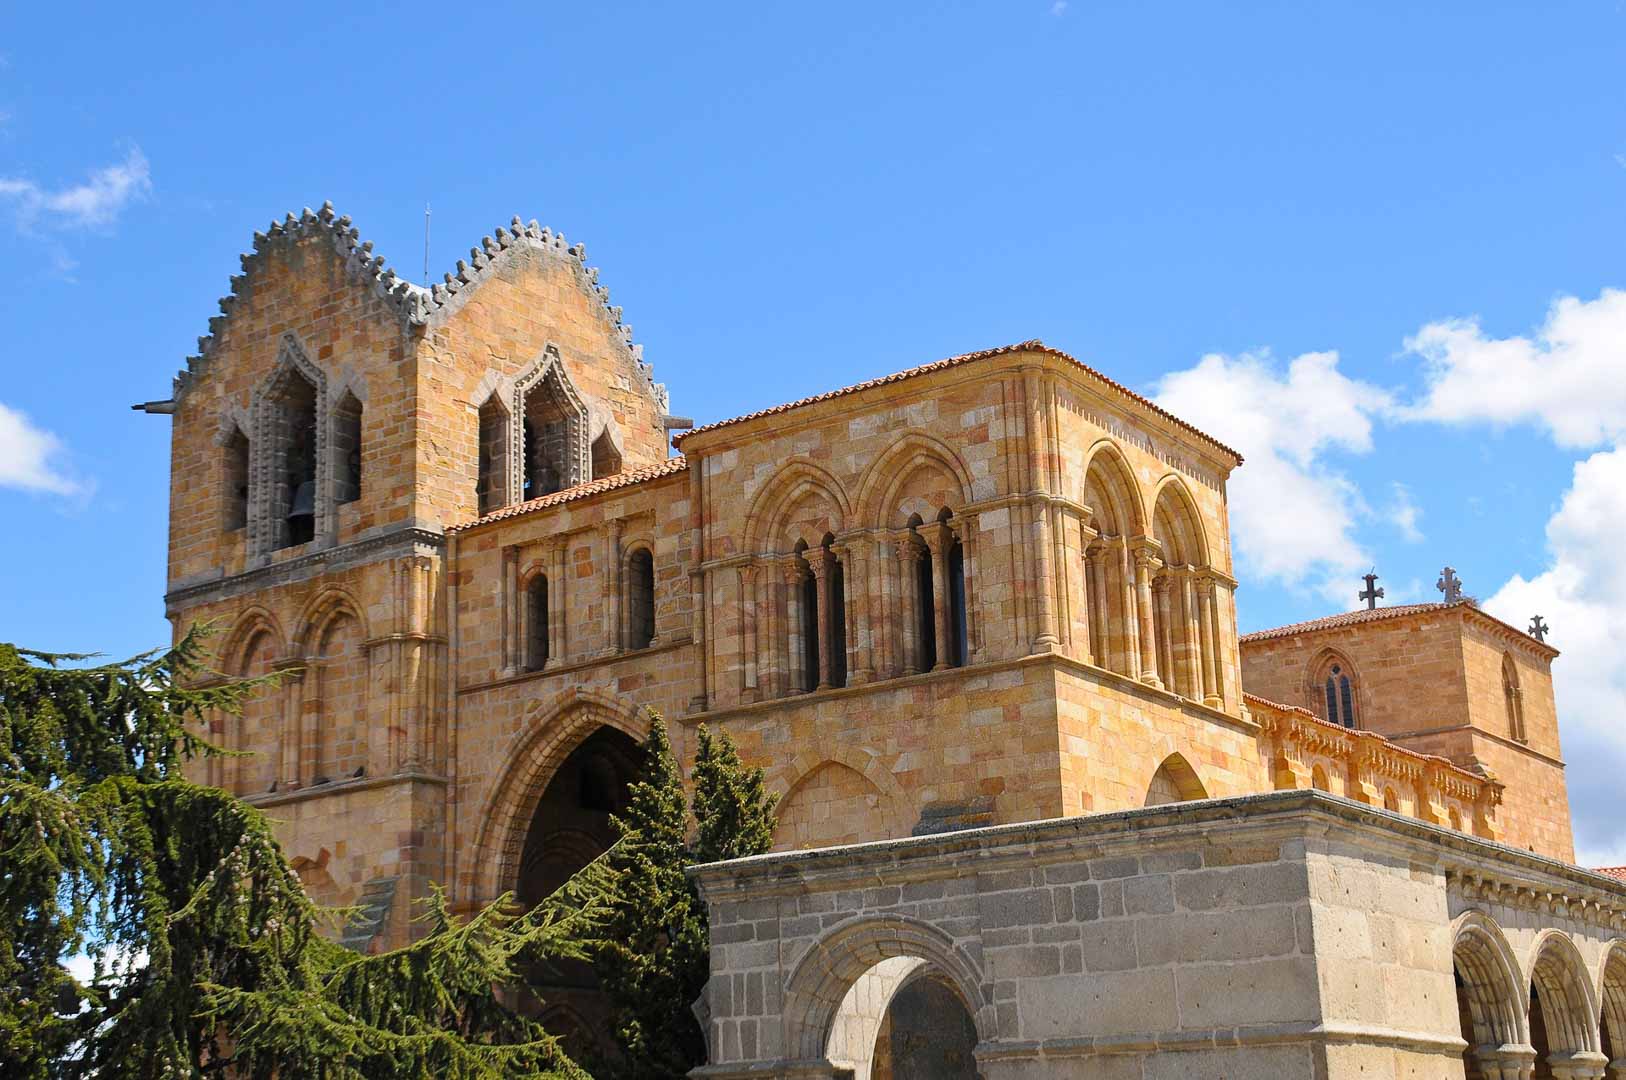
pixel 1399 227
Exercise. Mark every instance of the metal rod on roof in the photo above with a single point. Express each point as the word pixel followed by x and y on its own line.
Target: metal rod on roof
pixel 426 245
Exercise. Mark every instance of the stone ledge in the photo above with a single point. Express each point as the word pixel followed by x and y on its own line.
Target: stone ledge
pixel 343 787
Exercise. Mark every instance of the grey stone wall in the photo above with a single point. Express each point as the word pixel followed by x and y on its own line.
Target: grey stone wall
pixel 1287 935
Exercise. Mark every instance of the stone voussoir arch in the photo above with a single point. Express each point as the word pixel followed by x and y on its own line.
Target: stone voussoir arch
pixel 883 480
pixel 1109 456
pixel 828 968
pixel 1493 979
pixel 1173 485
pixel 551 730
pixel 249 624
pixel 794 481
pixel 786 777
pixel 1612 991
pixel 1569 1002
pixel 328 603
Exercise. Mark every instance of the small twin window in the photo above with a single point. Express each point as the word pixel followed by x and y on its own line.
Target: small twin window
pixel 1340 697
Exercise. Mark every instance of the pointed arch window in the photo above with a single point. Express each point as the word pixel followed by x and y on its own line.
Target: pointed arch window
pixel 925 611
pixel 554 454
pixel 1338 689
pixel 606 457
pixel 536 623
pixel 1514 698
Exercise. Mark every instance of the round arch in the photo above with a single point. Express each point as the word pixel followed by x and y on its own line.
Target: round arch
pixel 887 475
pixel 251 622
pixel 796 480
pixel 1174 508
pixel 820 983
pixel 323 608
pixel 1106 468
pixel 1612 991
pixel 1569 1006
pixel 530 760
pixel 1491 982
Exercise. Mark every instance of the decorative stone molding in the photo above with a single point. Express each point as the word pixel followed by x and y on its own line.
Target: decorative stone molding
pixel 415 305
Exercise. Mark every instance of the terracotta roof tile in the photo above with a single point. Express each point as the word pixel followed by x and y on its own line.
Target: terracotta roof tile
pixel 1357 618
pixel 1611 871
pixel 581 491
pixel 1347 618
pixel 1034 345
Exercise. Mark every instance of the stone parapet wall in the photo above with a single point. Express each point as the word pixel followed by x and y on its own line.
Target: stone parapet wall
pixel 1295 934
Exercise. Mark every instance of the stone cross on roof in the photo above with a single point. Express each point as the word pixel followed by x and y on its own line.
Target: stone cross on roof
pixel 1372 594
pixel 1450 585
pixel 1538 628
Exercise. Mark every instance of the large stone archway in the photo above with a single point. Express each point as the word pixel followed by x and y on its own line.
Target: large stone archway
pixel 551 734
pixel 839 995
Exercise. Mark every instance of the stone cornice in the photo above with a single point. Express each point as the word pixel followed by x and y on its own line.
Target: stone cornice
pixel 408 540
pixel 343 787
pixel 1281 815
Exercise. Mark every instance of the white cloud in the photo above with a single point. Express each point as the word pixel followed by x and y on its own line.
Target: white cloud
pixel 96 202
pixel 1403 514
pixel 1058 8
pixel 1582 596
pixel 1292 514
pixel 30 457
pixel 1570 378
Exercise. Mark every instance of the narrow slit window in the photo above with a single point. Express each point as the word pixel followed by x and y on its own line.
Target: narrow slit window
pixel 236 481
pixel 641 599
pixel 536 623
pixel 347 449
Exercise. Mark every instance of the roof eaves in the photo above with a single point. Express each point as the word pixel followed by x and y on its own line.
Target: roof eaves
pixel 630 478
pixel 1032 345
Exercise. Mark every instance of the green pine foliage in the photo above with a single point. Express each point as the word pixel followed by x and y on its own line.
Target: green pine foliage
pixel 654 959
pixel 731 803
pixel 218 965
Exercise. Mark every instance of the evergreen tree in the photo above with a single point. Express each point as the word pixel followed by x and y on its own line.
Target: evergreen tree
pixel 219 969
pixel 654 962
pixel 731 804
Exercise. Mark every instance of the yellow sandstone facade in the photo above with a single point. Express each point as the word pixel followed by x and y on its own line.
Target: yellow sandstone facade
pixel 994 589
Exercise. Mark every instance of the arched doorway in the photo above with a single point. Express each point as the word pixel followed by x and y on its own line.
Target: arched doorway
pixel 1562 1010
pixel 570 828
pixel 1612 1027
pixel 1490 1006
pixel 926 1033
pixel 888 998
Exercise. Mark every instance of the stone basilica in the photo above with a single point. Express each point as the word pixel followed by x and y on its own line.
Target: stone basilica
pixel 1044 812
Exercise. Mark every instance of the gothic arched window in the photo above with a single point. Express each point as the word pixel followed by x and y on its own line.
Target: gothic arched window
pixel 293 461
pixel 236 481
pixel 1334 690
pixel 491 483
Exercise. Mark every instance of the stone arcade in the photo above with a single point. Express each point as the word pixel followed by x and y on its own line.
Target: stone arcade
pixel 959 603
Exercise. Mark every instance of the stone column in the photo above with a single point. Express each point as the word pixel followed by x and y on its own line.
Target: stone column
pixel 858 606
pixel 1145 563
pixel 1086 562
pixel 1044 582
pixel 1128 598
pixel 909 552
pixel 614 588
pixel 973 585
pixel 1101 605
pixel 937 539
pixel 749 678
pixel 1163 604
pixel 819 565
pixel 1505 1062
pixel 1207 644
pixel 1581 1065
pixel 882 634
pixel 770 679
pixel 557 561
pixel 1192 661
pixel 291 774
pixel 1617 1069
pixel 793 570
pixel 513 642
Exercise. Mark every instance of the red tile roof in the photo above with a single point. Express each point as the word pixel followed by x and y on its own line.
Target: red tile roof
pixel 581 491
pixel 1611 871
pixel 1348 618
pixel 1357 618
pixel 1033 345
